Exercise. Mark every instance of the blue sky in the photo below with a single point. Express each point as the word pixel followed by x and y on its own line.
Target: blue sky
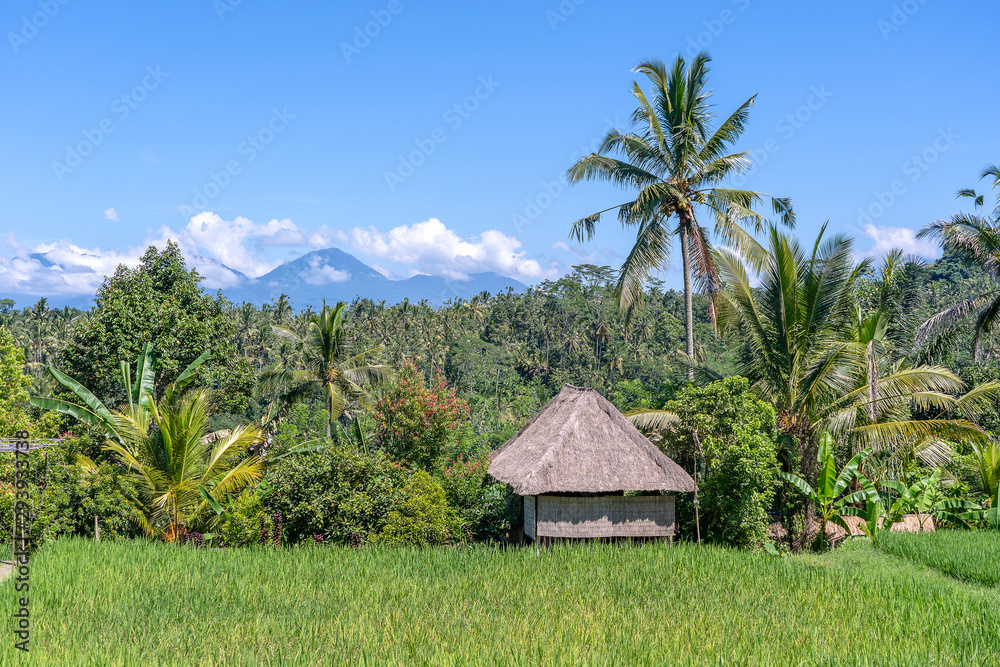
pixel 437 142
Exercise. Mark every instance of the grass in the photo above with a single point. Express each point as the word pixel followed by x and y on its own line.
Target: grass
pixel 142 603
pixel 972 556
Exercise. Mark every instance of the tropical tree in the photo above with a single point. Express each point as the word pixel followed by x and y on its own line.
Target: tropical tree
pixel 805 348
pixel 831 492
pixel 160 301
pixel 975 238
pixel 179 468
pixel 325 361
pixel 726 433
pixel 91 410
pixel 677 164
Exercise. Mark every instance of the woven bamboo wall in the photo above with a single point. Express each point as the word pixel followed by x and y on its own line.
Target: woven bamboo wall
pixel 529 516
pixel 602 516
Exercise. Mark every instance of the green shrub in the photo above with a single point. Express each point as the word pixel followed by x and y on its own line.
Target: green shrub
pixel 480 505
pixel 423 518
pixel 739 453
pixel 337 492
pixel 247 517
pixel 65 496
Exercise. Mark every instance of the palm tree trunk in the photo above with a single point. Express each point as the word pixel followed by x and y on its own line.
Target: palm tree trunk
pixel 688 300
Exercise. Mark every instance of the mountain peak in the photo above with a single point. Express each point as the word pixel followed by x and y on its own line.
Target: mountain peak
pixel 333 275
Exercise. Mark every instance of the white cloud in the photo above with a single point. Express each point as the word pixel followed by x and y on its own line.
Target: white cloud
pixel 58 269
pixel 430 247
pixel 324 274
pixel 111 214
pixel 385 272
pixel 225 241
pixel 889 238
pixel 324 237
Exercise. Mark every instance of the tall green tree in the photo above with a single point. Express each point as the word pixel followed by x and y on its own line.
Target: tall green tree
pixel 161 302
pixel 678 164
pixel 975 238
pixel 325 361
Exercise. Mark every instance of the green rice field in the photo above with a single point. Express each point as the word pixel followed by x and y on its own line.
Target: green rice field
pixel 967 555
pixel 146 604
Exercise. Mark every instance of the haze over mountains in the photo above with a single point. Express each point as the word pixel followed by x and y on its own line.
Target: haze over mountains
pixel 335 275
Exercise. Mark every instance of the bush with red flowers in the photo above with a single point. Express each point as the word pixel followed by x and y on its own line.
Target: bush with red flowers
pixel 418 423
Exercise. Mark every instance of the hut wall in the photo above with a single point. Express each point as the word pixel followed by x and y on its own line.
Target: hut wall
pixel 529 516
pixel 602 516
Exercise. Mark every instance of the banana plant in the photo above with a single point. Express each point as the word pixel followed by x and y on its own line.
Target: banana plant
pixel 830 495
pixel 990 515
pixel 924 498
pixel 91 410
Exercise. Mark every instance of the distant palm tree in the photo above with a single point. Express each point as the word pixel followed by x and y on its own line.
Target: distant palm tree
pixel 975 238
pixel 281 309
pixel 677 165
pixel 327 363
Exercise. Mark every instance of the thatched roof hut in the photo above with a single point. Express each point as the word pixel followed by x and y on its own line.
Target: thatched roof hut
pixel 574 459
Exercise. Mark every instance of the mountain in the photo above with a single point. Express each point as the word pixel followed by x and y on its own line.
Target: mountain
pixel 335 275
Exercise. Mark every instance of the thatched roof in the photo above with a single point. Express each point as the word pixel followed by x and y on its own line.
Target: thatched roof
pixel 580 443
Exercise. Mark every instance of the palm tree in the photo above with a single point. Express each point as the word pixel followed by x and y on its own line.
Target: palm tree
pixel 326 363
pixel 677 165
pixel 806 348
pixel 986 460
pixel 975 238
pixel 281 309
pixel 178 468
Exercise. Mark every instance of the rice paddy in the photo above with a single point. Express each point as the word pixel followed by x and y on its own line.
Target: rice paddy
pixel 143 603
pixel 967 555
